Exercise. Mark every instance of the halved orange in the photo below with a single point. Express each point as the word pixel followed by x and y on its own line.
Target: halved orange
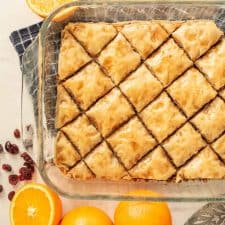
pixel 35 204
pixel 142 212
pixel 44 7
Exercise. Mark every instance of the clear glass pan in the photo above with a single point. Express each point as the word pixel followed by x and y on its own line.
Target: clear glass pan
pixel 39 97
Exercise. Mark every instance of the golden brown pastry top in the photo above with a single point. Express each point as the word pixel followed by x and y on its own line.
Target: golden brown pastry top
pixel 155 166
pixel 66 109
pixel 205 165
pixel 162 117
pixel 183 144
pixel 131 142
pixel 104 164
pixel 82 134
pixel 211 120
pixel 115 57
pixel 191 91
pixel 151 35
pixel 111 111
pixel 65 154
pixel 72 56
pixel 141 87
pixel 168 62
pixel 88 85
pixel 141 100
pixel 213 65
pixel 93 36
pixel 197 36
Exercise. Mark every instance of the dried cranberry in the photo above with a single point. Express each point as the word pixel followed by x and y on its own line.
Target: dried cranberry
pixel 1 148
pixel 13 179
pixel 6 167
pixel 8 146
pixel 27 158
pixel 25 173
pixel 14 149
pixel 21 177
pixel 29 166
pixel 1 188
pixel 16 133
pixel 11 195
pixel 11 148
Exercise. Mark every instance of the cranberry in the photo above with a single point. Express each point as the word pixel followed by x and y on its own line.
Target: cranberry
pixel 21 177
pixel 1 148
pixel 13 179
pixel 16 133
pixel 14 149
pixel 1 188
pixel 11 195
pixel 25 173
pixel 11 148
pixel 29 166
pixel 8 146
pixel 6 167
pixel 27 158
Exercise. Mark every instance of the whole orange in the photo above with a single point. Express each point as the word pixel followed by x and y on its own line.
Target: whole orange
pixel 142 212
pixel 86 215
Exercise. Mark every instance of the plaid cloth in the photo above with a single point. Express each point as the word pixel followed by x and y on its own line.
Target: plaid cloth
pixel 22 38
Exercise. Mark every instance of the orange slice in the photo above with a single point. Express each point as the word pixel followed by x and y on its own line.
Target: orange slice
pixel 35 204
pixel 44 7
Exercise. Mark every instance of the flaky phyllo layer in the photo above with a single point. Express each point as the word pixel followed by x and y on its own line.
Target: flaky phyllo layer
pixel 141 100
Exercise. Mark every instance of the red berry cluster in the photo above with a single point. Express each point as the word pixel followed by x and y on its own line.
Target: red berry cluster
pixel 25 172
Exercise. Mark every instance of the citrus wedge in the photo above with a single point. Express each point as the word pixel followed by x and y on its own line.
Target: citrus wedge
pixel 35 204
pixel 44 7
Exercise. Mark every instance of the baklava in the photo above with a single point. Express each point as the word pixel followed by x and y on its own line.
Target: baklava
pixel 141 100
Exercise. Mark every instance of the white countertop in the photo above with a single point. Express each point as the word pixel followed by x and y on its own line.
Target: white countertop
pixel 14 15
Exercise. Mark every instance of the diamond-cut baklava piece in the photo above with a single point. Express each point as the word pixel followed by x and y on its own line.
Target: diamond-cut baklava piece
pixel 206 165
pixel 81 172
pixel 131 142
pixel 155 166
pixel 82 134
pixel 93 36
pixel 211 120
pixel 213 65
pixel 170 26
pixel 197 36
pixel 72 56
pixel 65 154
pixel 88 85
pixel 119 59
pixel 110 112
pixel 183 144
pixel 66 109
pixel 219 146
pixel 168 62
pixel 104 164
pixel 151 35
pixel 162 117
pixel 141 87
pixel 191 91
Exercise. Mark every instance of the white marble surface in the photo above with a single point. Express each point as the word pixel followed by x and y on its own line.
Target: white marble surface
pixel 15 14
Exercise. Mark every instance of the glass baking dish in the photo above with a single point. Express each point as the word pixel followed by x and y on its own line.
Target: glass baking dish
pixel 39 97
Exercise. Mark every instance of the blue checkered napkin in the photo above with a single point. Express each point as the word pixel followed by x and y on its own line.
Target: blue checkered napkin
pixel 22 38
